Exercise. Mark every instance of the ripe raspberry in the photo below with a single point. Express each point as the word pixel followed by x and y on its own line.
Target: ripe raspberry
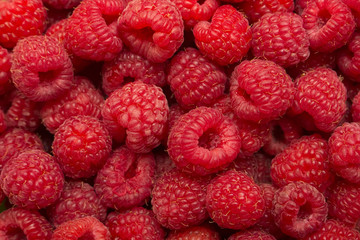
pixel 299 209
pixel 5 65
pixel 178 199
pixel 260 90
pixel 348 58
pixel 355 107
pixel 78 199
pixel 135 224
pixel 355 9
pixel 199 232
pixel 195 10
pixel 251 234
pixel 203 141
pixel 320 100
pixel 62 4
pixel 329 24
pixel 20 19
pixel 32 180
pixel 254 9
pixel 333 229
pixel 127 67
pixel 226 39
pixel 81 146
pixel 41 69
pixel 138 113
pixel 84 99
pixel 344 153
pixel 82 228
pixel 194 80
pixel 175 111
pixel 280 37
pixel 153 29
pixel 91 30
pixel 15 141
pixel 126 179
pixel 18 223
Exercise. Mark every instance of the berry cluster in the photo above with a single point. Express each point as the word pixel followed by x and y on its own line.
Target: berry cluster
pixel 171 119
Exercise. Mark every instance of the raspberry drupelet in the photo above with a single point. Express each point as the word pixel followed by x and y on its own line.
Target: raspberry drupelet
pixel 226 39
pixel 153 29
pixel 252 234
pixel 41 68
pixel 199 232
pixel 203 141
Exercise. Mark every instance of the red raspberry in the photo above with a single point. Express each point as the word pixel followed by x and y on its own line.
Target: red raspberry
pixel 81 146
pixel 178 199
pixel 78 199
pixel 41 68
pixel 199 232
pixel 32 180
pixel 175 111
pixel 251 234
pixel 194 80
pixel 226 39
pixel 203 141
pixel 5 65
pixel 84 99
pixel 234 200
pixel 306 159
pixel 62 4
pixel 127 67
pixel 152 28
pixel 91 30
pixel 355 107
pixel 260 90
pixel 15 141
pixel 20 19
pixel 138 113
pixel 134 224
pixel 329 24
pixel 254 9
pixel 299 209
pixel 82 228
pixel 194 11
pixel 344 203
pixel 126 179
pixel 348 58
pixel 355 9
pixel 320 100
pixel 18 223
pixel 333 229
pixel 280 37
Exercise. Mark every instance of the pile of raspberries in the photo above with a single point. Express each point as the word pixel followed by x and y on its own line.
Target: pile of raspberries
pixel 180 119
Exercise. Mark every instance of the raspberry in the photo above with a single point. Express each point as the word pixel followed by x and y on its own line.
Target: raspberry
pixel 199 232
pixel 126 179
pixel 153 29
pixel 82 228
pixel 32 180
pixel 260 90
pixel 226 39
pixel 194 80
pixel 5 65
pixel 138 113
pixel 348 58
pixel 41 69
pixel 84 99
pixel 135 224
pixel 234 201
pixel 91 30
pixel 62 4
pixel 344 203
pixel 81 146
pixel 127 67
pixel 254 9
pixel 329 24
pixel 78 199
pixel 355 9
pixel 251 234
pixel 299 209
pixel 175 111
pixel 203 141
pixel 333 229
pixel 178 199
pixel 194 11
pixel 20 19
pixel 320 100
pixel 305 159
pixel 19 223
pixel 344 153
pixel 355 107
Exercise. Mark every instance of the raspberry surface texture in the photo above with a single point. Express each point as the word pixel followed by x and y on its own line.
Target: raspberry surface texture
pixel 81 146
pixel 252 234
pixel 194 80
pixel 355 107
pixel 234 200
pixel 41 68
pixel 200 232
pixel 203 141
pixel 154 29
pixel 348 58
pixel 5 65
pixel 226 39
